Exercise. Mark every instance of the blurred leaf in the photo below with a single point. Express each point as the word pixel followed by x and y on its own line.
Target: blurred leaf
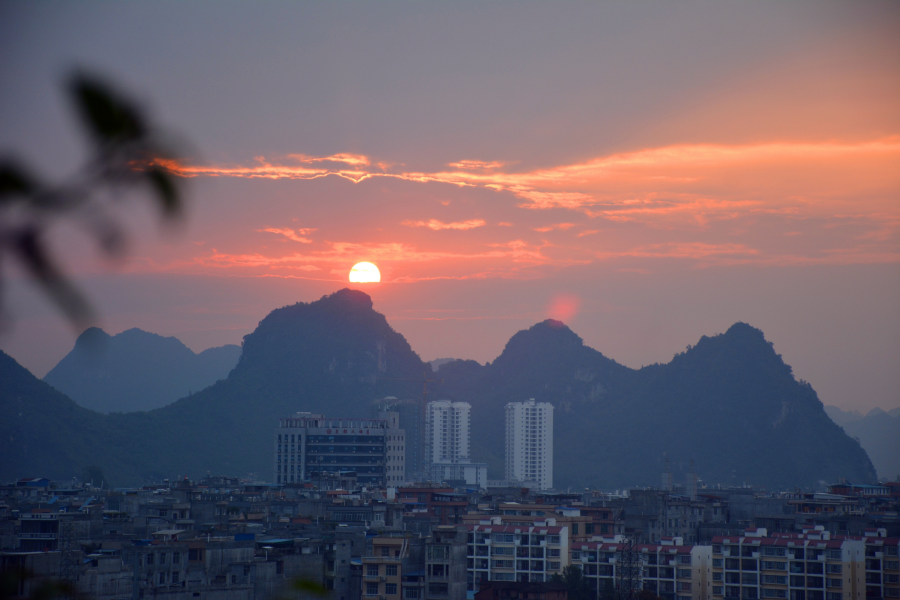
pixel 110 118
pixel 14 182
pixel 310 586
pixel 34 256
pixel 167 190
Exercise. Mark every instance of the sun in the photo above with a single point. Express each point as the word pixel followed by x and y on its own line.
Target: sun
pixel 365 272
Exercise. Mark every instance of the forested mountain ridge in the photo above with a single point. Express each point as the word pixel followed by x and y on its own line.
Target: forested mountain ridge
pixel 136 370
pixel 730 404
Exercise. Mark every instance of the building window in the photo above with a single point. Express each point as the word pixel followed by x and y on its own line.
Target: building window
pixel 411 594
pixel 390 589
pixel 371 570
pixel 385 551
pixel 371 589
pixel 390 571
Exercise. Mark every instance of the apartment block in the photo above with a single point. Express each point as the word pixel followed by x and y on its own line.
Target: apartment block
pixel 382 573
pixel 668 569
pixel 445 563
pixel 811 565
pixel 447 426
pixel 515 553
pixel 529 442
pixel 447 431
pixel 882 565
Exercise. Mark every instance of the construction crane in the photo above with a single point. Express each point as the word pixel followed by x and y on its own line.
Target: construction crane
pixel 425 380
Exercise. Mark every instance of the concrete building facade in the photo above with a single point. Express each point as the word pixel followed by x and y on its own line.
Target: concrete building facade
pixel 788 566
pixel 515 553
pixel 447 431
pixel 669 569
pixel 447 427
pixel 529 442
pixel 307 445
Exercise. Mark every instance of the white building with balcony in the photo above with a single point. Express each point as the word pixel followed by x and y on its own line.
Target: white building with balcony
pixel 529 442
pixel 515 553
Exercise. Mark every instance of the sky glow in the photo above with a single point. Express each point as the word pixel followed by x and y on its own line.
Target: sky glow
pixel 647 174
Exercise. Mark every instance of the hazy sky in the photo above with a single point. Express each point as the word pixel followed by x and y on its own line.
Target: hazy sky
pixel 650 173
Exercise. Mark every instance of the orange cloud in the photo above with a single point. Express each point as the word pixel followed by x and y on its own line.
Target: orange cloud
pixel 562 226
pixel 291 234
pixel 438 225
pixel 476 164
pixel 696 182
pixel 350 159
pixel 776 204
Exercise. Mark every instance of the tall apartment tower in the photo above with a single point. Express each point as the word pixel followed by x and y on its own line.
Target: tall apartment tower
pixel 446 431
pixel 529 442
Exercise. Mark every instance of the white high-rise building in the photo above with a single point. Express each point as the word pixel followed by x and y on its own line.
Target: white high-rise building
pixel 447 426
pixel 447 431
pixel 529 442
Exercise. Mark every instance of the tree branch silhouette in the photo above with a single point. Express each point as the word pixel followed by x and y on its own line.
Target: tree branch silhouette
pixel 127 152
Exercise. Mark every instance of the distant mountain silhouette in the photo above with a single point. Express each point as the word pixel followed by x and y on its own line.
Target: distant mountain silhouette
pixel 842 417
pixel 136 370
pixel 729 403
pixel 878 433
pixel 436 363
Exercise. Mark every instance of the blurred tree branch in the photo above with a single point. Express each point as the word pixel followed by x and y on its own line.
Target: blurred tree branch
pixel 126 153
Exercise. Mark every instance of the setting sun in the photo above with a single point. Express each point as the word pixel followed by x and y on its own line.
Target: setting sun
pixel 364 272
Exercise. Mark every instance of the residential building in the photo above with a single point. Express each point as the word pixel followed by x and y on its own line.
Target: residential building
pixel 447 426
pixel 445 563
pixel 515 553
pixel 529 442
pixel 447 431
pixel 383 570
pixel 395 449
pixel 793 566
pixel 668 569
pixel 442 504
pixel 882 565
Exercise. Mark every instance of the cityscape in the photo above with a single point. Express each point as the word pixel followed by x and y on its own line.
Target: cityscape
pixel 485 300
pixel 349 507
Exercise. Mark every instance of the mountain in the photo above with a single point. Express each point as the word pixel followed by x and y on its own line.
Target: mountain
pixel 879 434
pixel 436 363
pixel 842 417
pixel 136 370
pixel 729 403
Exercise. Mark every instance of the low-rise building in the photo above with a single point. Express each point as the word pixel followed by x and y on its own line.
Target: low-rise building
pixel 668 569
pixel 790 566
pixel 515 553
